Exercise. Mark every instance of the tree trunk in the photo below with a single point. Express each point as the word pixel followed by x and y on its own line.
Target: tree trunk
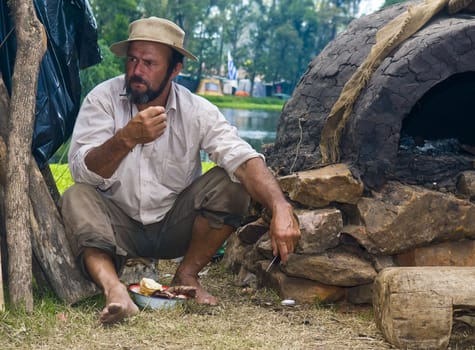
pixel 50 246
pixel 3 156
pixel 4 110
pixel 50 183
pixel 31 45
pixel 54 266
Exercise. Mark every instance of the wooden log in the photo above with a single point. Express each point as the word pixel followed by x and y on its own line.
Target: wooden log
pixel 4 112
pixel 50 245
pixel 414 306
pixel 2 245
pixel 50 183
pixel 2 236
pixel 4 108
pixel 31 45
pixel 3 167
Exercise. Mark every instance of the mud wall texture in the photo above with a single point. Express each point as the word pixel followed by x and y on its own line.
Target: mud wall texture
pixel 370 141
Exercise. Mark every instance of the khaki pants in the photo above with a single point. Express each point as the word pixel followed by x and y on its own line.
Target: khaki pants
pixel 91 220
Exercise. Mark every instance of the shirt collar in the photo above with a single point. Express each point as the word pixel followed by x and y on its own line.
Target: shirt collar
pixel 171 102
pixel 123 94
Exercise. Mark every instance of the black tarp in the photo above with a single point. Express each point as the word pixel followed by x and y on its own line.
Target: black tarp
pixel 72 45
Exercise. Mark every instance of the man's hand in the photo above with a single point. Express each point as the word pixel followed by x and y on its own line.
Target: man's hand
pixel 263 187
pixel 146 126
pixel 284 232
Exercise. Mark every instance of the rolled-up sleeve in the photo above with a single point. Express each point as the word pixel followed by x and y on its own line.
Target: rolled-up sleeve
pixel 95 125
pixel 79 170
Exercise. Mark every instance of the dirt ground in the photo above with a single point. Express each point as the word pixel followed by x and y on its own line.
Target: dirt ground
pixel 255 319
pixel 244 319
pixel 271 325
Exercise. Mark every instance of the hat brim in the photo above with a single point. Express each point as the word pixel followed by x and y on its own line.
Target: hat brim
pixel 120 48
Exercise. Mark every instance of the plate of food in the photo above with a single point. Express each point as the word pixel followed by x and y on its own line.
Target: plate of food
pixel 149 294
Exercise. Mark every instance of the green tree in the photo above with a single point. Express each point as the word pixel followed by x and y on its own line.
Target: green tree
pixel 113 19
pixel 108 68
pixel 198 19
pixel 112 24
pixel 255 51
pixel 332 17
pixel 157 8
pixel 290 45
pixel 288 34
pixel 203 20
pixel 237 17
pixel 270 39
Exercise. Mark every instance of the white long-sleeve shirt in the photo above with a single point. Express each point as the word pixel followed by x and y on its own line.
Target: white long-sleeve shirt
pixel 149 178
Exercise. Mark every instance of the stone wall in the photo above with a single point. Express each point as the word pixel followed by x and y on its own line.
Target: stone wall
pixel 349 235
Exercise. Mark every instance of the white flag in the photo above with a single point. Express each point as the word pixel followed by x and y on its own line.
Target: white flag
pixel 232 70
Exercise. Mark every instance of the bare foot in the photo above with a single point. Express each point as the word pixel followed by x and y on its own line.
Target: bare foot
pixel 118 305
pixel 202 296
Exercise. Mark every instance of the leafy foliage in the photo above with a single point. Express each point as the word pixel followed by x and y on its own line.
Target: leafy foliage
pixel 62 176
pixel 109 67
pixel 270 39
pixel 113 21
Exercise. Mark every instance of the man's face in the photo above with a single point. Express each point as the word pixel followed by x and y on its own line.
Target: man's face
pixel 147 73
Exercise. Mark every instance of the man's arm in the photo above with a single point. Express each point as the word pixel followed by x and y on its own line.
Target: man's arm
pixel 263 187
pixel 145 127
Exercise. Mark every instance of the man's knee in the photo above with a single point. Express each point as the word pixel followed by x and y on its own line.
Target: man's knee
pixel 77 194
pixel 223 202
pixel 226 195
pixel 236 197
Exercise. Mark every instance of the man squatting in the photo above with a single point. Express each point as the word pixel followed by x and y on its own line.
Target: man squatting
pixel 139 192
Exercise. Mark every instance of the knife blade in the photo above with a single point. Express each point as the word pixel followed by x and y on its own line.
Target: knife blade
pixel 275 260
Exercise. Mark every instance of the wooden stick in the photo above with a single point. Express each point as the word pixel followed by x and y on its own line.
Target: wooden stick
pixel 31 45
pixel 3 167
pixel 2 297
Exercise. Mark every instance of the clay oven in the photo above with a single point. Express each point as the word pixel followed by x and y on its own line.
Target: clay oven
pixel 412 122
pixel 394 197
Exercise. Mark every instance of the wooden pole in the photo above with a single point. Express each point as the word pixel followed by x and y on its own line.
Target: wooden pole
pixel 50 245
pixel 31 46
pixel 2 237
pixel 2 297
pixel 4 110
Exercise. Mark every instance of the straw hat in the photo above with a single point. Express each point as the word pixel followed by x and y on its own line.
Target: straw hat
pixel 154 29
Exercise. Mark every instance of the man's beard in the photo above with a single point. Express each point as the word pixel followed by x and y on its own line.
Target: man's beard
pixel 146 96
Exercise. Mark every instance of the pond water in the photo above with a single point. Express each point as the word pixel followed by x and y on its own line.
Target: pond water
pixel 255 126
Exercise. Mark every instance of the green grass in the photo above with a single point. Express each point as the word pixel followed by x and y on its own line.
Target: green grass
pixel 246 318
pixel 240 102
pixel 62 176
